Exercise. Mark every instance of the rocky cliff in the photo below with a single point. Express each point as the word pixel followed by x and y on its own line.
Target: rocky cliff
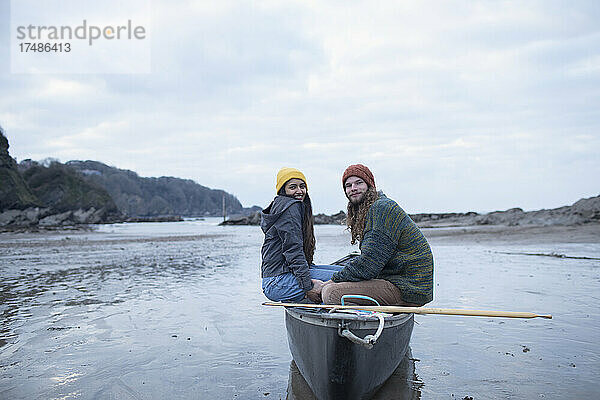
pixel 48 196
pixel 14 192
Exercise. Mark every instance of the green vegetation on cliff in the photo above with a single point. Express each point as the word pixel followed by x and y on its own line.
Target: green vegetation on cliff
pixel 64 189
pixel 83 185
pixel 14 193
pixel 138 196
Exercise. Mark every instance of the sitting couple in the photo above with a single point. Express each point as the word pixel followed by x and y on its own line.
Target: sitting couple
pixel 395 266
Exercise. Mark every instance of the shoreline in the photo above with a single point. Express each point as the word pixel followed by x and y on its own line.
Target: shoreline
pixel 521 234
pixel 436 235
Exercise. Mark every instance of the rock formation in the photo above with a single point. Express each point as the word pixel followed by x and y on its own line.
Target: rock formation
pixel 14 192
pixel 252 219
pixel 48 196
pixel 335 219
pixel 583 211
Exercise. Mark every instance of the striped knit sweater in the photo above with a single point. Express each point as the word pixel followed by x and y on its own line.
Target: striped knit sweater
pixel 393 248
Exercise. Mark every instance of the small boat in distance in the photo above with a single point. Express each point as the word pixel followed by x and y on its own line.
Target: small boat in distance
pixel 346 355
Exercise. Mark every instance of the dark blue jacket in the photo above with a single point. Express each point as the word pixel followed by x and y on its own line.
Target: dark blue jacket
pixel 283 249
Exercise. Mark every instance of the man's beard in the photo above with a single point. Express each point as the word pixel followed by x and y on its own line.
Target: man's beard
pixel 357 212
pixel 358 200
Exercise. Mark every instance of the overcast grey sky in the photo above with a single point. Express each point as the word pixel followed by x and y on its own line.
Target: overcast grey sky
pixel 454 105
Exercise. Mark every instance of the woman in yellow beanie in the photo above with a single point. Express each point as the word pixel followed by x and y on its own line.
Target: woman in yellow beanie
pixel 287 269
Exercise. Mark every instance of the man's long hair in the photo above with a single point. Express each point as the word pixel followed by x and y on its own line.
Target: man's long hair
pixel 357 214
pixel 308 228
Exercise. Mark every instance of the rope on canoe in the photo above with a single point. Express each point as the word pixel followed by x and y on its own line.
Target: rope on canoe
pixel 369 340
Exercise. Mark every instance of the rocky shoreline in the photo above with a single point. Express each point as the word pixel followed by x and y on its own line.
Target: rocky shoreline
pixel 38 197
pixel 254 219
pixel 49 195
pixel 581 212
pixel 40 219
pixel 45 218
pixel 584 211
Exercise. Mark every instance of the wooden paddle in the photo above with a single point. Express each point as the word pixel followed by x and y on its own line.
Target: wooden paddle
pixel 418 310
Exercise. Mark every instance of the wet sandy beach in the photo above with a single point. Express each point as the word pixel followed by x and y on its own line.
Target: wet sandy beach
pixel 172 310
pixel 526 235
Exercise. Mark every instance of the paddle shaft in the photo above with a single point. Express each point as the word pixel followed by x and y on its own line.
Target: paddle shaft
pixel 419 310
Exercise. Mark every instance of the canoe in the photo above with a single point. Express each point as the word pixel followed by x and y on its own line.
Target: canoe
pixel 404 384
pixel 332 354
pixel 331 357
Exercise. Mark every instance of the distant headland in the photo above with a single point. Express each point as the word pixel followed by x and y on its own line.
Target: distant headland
pixel 50 194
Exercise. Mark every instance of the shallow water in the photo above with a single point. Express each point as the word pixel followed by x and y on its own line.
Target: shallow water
pixel 173 310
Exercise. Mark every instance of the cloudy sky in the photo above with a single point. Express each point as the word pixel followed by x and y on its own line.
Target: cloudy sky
pixel 454 105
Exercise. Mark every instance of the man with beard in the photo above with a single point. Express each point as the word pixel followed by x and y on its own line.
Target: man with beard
pixel 395 266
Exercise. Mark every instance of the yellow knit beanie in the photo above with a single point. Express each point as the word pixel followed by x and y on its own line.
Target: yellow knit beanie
pixel 285 174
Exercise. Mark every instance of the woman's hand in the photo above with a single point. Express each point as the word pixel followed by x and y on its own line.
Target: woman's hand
pixel 314 294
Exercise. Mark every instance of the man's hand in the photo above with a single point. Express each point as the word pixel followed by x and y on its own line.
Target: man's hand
pixel 314 294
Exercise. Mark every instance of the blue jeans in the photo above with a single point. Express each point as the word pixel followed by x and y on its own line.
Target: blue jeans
pixel 286 288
